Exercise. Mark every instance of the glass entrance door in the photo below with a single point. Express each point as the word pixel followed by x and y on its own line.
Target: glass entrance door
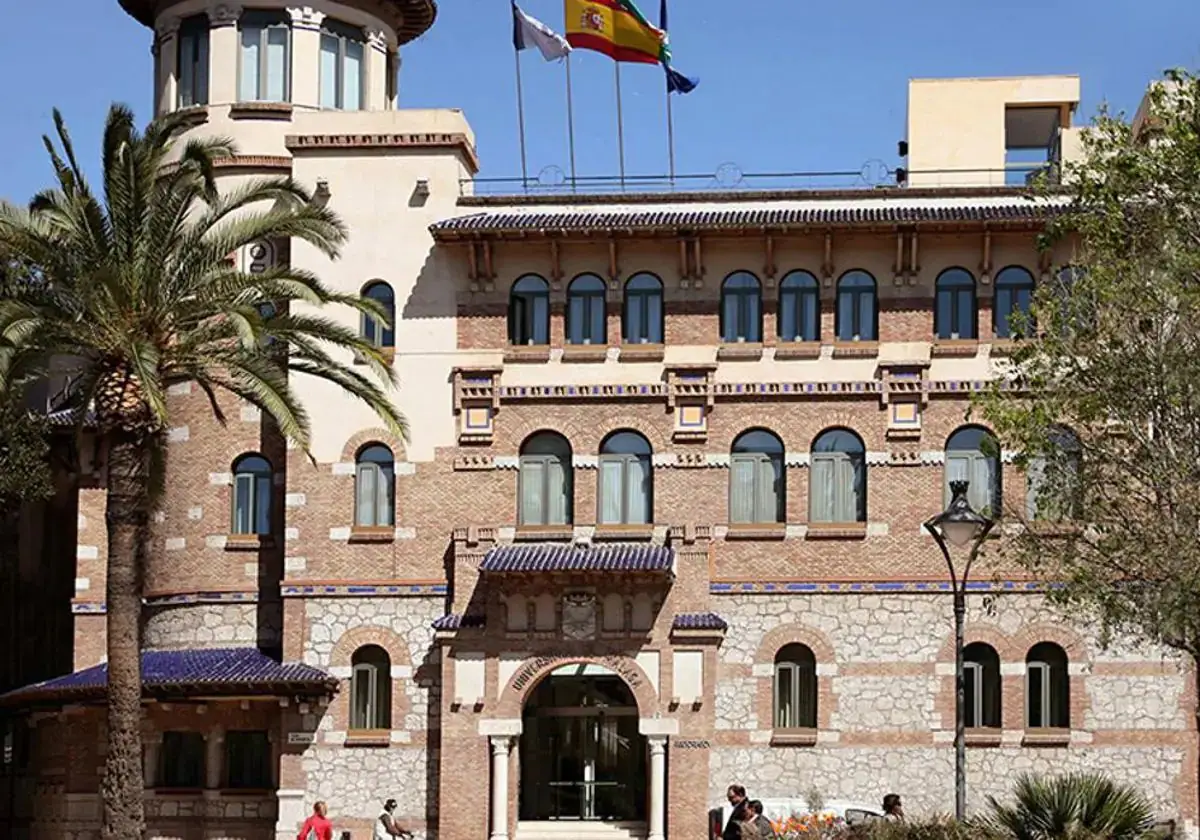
pixel 581 755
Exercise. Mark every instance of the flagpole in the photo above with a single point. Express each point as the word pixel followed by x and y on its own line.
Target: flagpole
pixel 570 123
pixel 670 139
pixel 521 120
pixel 620 124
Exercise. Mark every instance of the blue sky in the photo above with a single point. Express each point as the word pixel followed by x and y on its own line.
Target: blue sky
pixel 787 85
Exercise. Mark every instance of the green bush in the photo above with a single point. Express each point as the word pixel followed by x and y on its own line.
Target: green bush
pixel 1079 806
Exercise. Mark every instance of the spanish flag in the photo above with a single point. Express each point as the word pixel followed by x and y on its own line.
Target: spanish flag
pixel 616 28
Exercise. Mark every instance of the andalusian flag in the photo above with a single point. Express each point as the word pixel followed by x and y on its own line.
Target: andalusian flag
pixel 616 28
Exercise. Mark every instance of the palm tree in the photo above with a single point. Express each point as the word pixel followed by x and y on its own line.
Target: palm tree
pixel 135 287
pixel 1072 807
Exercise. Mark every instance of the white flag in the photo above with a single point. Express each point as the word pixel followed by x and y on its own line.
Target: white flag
pixel 531 32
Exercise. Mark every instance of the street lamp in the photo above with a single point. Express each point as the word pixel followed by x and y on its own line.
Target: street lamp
pixel 959 525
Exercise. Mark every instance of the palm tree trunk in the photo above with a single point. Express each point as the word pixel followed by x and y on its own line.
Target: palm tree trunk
pixel 128 519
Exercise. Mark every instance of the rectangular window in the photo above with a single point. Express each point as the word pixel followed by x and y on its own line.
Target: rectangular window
pixel 265 66
pixel 364 713
pixel 973 694
pixel 181 763
pixel 342 62
pixel 247 760
pixel 1038 693
pixel 192 62
pixel 754 489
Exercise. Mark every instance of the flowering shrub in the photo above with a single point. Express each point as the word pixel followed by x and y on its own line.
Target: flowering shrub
pixel 809 826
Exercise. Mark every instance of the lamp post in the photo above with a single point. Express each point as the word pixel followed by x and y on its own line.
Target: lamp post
pixel 959 525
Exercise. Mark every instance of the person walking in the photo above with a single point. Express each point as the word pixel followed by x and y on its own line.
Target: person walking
pixel 893 808
pixel 318 826
pixel 736 794
pixel 765 829
pixel 385 825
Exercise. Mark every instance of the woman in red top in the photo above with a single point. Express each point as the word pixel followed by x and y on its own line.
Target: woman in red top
pixel 317 827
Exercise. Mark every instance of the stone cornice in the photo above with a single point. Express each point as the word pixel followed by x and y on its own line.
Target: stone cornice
pixel 299 143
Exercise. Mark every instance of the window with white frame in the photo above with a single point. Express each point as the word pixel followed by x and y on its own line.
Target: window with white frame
pixel 586 319
pixel 973 455
pixel 799 307
pixel 981 677
pixel 529 311
pixel 252 485
pixel 1052 479
pixel 264 66
pixel 626 480
pixel 954 314
pixel 375 487
pixel 191 66
pixel 1012 306
pixel 370 688
pixel 1047 687
pixel 643 316
pixel 757 483
pixel 741 308
pixel 857 316
pixel 795 688
pixel 838 478
pixel 343 63
pixel 546 480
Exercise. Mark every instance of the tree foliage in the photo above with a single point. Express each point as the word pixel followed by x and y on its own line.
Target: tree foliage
pixel 1073 807
pixel 1105 412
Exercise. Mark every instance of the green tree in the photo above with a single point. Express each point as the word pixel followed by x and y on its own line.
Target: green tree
pixel 1106 409
pixel 135 292
pixel 1074 807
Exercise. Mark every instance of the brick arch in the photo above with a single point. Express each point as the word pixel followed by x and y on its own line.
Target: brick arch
pixel 1070 641
pixel 982 632
pixel 513 697
pixel 522 430
pixel 659 440
pixel 377 435
pixel 356 637
pixel 790 634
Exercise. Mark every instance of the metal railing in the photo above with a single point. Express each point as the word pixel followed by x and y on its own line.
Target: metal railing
pixel 553 181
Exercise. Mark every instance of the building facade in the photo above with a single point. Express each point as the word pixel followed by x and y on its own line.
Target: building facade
pixel 657 528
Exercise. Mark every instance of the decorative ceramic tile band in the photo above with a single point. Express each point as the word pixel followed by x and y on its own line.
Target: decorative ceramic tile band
pixel 852 588
pixel 201 598
pixel 358 590
pixel 89 608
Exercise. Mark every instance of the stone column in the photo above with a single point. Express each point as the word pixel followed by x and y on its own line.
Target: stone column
pixel 223 52
pixel 214 754
pixel 166 53
pixel 658 785
pixel 153 742
pixel 377 71
pixel 306 56
pixel 501 744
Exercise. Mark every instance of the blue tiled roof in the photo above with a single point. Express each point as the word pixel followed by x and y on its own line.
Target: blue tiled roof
pixel 184 672
pixel 454 621
pixel 699 621
pixel 557 557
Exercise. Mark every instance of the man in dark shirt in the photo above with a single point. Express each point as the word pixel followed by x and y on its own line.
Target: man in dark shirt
pixel 736 794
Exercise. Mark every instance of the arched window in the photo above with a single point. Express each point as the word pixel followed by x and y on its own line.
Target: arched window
pixel 741 308
pixel 1052 479
pixel 252 484
pixel 973 455
pixel 857 310
pixel 626 480
pixel 373 330
pixel 375 487
pixel 264 68
pixel 838 481
pixel 546 480
pixel 954 316
pixel 643 317
pixel 371 688
pixel 981 677
pixel 799 307
pixel 342 65
pixel 1047 688
pixel 795 688
pixel 757 486
pixel 1012 308
pixel 585 311
pixel 191 66
pixel 529 311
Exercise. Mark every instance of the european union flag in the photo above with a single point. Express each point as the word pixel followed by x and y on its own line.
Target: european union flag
pixel 676 81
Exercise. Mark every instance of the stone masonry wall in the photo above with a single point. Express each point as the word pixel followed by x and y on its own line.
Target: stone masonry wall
pixel 885 675
pixel 200 626
pixel 356 778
